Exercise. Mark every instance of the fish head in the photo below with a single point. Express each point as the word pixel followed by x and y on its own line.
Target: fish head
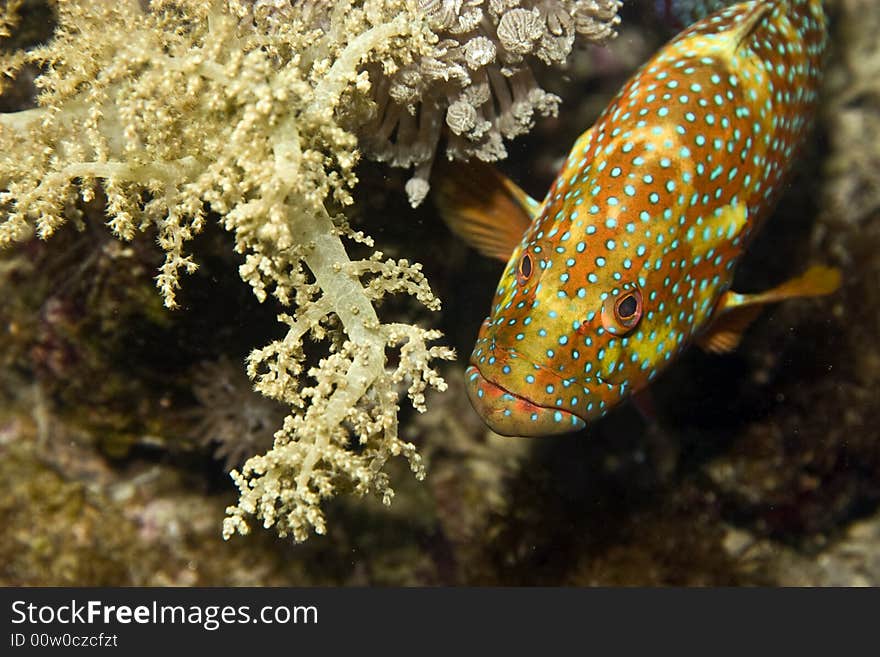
pixel 554 354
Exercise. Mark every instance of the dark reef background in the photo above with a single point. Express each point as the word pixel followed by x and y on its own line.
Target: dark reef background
pixel 119 419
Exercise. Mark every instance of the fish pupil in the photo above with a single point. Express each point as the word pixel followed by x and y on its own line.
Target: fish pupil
pixel 627 307
pixel 525 266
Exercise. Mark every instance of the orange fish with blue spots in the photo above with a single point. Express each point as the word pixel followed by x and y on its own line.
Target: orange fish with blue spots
pixel 630 256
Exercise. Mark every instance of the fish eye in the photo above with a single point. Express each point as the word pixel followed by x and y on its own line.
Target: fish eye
pixel 524 269
pixel 620 314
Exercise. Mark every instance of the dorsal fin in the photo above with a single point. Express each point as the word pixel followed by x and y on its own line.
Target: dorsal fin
pixel 732 35
pixel 747 23
pixel 483 207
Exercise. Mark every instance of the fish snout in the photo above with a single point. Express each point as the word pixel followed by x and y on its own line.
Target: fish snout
pixel 511 415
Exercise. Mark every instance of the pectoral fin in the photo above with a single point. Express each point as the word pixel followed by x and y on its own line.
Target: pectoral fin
pixel 735 312
pixel 483 207
pixel 726 331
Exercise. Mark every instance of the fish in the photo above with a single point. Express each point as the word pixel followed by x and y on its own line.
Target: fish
pixel 630 256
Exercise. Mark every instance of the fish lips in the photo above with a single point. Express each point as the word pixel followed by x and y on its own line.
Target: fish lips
pixel 511 415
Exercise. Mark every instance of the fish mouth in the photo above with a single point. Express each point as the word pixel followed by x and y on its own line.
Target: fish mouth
pixel 509 414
